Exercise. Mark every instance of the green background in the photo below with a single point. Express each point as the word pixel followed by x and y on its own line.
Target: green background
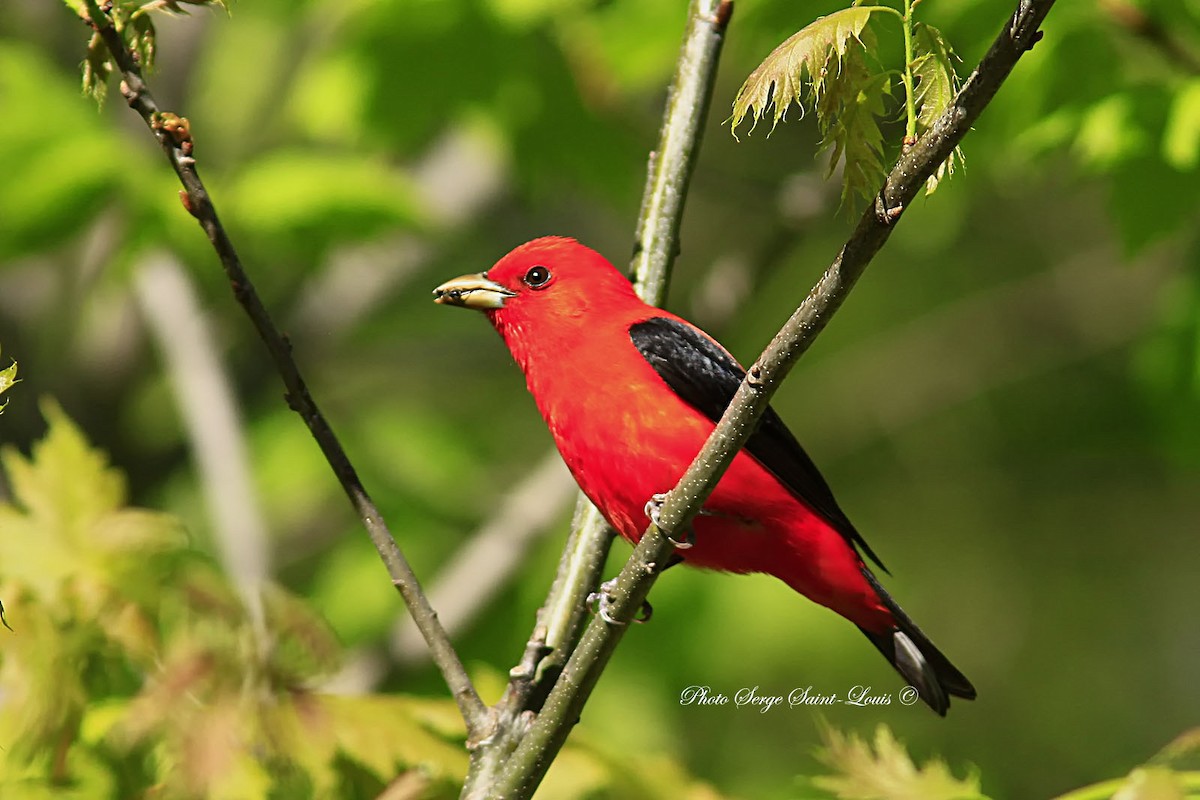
pixel 1008 405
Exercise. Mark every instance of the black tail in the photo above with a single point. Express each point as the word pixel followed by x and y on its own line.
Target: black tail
pixel 915 657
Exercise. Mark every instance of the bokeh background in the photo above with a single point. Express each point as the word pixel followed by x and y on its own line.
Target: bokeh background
pixel 1008 405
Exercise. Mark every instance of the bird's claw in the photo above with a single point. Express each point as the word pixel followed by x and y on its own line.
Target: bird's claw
pixel 654 507
pixel 600 604
pixel 654 511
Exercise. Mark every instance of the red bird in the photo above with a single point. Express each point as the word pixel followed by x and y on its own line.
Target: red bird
pixel 631 392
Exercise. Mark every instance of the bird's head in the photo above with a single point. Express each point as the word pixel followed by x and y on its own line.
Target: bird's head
pixel 548 279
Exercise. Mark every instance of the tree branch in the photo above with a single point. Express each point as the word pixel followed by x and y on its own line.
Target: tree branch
pixel 175 138
pixel 546 735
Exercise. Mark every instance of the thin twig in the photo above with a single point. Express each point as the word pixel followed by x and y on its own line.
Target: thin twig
pixel 532 758
pixel 174 136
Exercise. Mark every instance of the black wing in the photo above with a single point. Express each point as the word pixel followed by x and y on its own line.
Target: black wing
pixel 706 378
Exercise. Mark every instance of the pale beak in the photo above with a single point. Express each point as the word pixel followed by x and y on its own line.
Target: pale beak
pixel 472 291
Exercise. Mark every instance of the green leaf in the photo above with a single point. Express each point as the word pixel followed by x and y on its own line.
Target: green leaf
pixel 933 68
pixel 97 66
pixel 8 376
pixel 135 23
pixel 1181 140
pixel 385 734
pixel 937 83
pixel 1110 134
pixel 886 772
pixel 315 195
pixel 67 530
pixel 1170 775
pixel 848 110
pixel 41 671
pixel 143 38
pixel 815 52
pixel 46 197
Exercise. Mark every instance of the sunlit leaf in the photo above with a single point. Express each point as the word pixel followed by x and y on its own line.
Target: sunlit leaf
pixel 1181 140
pixel 320 194
pixel 41 680
pixel 826 66
pixel 1182 751
pixel 382 733
pixel 81 571
pixel 67 529
pixel 1109 133
pixel 97 66
pixel 142 38
pixel 848 112
pixel 89 776
pixel 885 771
pixel 813 52
pixel 8 376
pixel 937 83
pixel 933 68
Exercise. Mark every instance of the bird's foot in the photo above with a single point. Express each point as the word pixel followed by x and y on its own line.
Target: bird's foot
pixel 654 510
pixel 601 602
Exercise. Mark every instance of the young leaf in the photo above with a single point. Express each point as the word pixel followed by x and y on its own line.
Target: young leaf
pixel 67 532
pixel 779 79
pixel 933 67
pixel 937 83
pixel 143 39
pixel 8 376
pixel 886 772
pixel 97 66
pixel 848 110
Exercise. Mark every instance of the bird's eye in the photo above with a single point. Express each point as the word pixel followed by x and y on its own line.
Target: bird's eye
pixel 537 277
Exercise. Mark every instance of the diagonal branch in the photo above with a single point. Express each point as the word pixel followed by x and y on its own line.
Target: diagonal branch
pixel 562 708
pixel 174 137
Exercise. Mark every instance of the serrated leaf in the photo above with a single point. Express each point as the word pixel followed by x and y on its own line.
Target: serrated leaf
pixel 143 39
pixel 886 772
pixel 8 376
pixel 66 530
pixel 780 78
pixel 386 734
pixel 848 112
pixel 97 66
pixel 953 161
pixel 937 83
pixel 933 69
pixel 134 22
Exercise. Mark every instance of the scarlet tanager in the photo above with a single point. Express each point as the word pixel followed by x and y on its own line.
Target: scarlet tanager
pixel 631 392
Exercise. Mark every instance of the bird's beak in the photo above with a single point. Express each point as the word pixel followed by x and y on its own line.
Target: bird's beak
pixel 472 291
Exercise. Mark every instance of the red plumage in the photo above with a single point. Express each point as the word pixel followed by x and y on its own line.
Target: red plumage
pixel 626 434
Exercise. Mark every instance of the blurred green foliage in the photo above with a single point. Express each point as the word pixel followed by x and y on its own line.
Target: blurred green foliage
pixel 1008 406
